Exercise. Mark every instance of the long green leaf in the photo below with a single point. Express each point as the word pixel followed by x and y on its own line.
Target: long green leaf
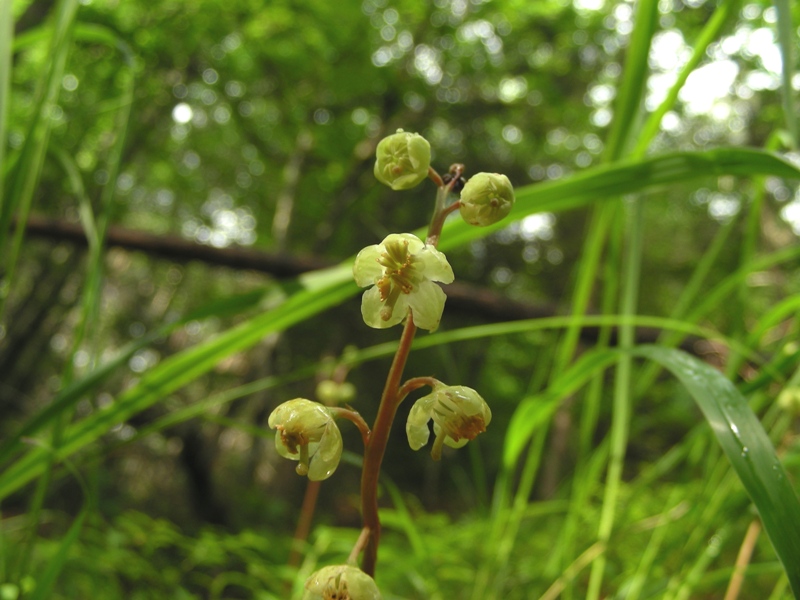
pixel 626 177
pixel 787 40
pixel 710 32
pixel 6 39
pixel 748 448
pixel 628 103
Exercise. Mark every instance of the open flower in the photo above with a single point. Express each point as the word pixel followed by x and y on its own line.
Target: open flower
pixel 459 414
pixel 307 433
pixel 341 582
pixel 402 160
pixel 402 268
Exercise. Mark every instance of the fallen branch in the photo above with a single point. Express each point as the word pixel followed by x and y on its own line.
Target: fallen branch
pixel 464 297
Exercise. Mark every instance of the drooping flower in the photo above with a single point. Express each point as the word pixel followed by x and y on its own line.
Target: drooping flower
pixel 341 582
pixel 486 199
pixel 402 160
pixel 307 433
pixel 402 268
pixel 459 414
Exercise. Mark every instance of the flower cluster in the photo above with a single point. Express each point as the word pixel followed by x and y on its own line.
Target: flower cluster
pixel 403 274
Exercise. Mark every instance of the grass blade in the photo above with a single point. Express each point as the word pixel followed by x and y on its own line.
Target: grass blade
pixel 710 32
pixel 786 41
pixel 25 176
pixel 628 105
pixel 46 580
pixel 6 40
pixel 747 447
pixel 535 410
pixel 626 177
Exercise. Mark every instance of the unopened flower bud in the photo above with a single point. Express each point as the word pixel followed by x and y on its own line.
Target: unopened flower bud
pixel 307 433
pixel 789 399
pixel 403 160
pixel 486 199
pixel 332 392
pixel 341 582
pixel 459 414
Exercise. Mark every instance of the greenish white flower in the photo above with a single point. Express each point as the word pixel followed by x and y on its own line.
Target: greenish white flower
pixel 486 199
pixel 307 433
pixel 402 270
pixel 402 160
pixel 341 582
pixel 459 414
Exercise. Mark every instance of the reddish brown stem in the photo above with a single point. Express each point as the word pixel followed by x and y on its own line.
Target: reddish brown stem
pixel 362 540
pixel 373 454
pixel 354 417
pixel 442 210
pixel 304 523
pixel 414 384
pixel 434 176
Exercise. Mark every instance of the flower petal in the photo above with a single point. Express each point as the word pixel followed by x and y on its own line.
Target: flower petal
pixel 371 307
pixel 434 265
pixel 414 243
pixel 427 305
pixel 283 449
pixel 469 402
pixel 417 424
pixel 300 413
pixel 448 441
pixel 328 453
pixel 366 269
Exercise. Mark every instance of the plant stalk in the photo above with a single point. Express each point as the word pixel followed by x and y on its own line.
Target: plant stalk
pixel 373 454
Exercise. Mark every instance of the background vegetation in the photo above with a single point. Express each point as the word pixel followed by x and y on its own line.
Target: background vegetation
pixel 179 181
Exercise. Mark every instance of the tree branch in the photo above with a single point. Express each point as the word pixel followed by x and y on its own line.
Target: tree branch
pixel 467 298
pixel 175 248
